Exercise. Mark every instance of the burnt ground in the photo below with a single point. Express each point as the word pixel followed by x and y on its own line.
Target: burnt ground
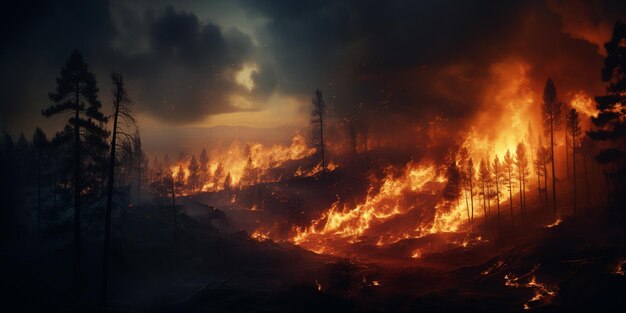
pixel 208 264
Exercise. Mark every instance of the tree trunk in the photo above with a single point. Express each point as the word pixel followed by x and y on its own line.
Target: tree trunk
pixel 553 161
pixel 566 155
pixel 545 184
pixel 484 202
pixel 521 197
pixel 498 199
pixel 586 180
pixel 77 239
pixel 39 191
pixel 322 138
pixel 511 195
pixel 467 204
pixel 574 171
pixel 107 226
pixel 472 198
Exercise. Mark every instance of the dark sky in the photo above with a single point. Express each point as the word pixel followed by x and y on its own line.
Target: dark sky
pixel 255 62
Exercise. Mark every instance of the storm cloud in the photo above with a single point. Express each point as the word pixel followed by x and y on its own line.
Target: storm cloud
pixel 408 58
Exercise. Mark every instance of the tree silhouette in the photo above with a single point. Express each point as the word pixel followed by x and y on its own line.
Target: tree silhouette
pixel 611 122
pixel 471 173
pixel 249 176
pixel 551 110
pixel 484 176
pixel 497 177
pixel 194 175
pixel 463 157
pixel 586 149
pixel 121 110
pixel 141 164
pixel 40 143
pixel 179 180
pixel 452 189
pixel 521 162
pixel 508 167
pixel 542 158
pixel 204 167
pixel 218 176
pixel 77 93
pixel 317 120
pixel 573 128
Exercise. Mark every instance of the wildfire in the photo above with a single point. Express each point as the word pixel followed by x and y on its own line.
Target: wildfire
pixel 380 205
pixel 260 236
pixel 417 253
pixel 251 162
pixel 543 294
pixel 555 223
pixel 584 104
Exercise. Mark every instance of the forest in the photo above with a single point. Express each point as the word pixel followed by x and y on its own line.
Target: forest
pixel 378 206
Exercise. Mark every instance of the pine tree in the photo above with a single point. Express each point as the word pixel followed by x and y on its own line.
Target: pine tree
pixel 40 143
pixel 611 120
pixel 218 177
pixel 573 128
pixel 205 175
pixel 317 120
pixel 121 111
pixel 497 177
pixel 551 110
pixel 483 175
pixel 521 162
pixel 194 175
pixel 508 166
pixel 471 173
pixel 77 93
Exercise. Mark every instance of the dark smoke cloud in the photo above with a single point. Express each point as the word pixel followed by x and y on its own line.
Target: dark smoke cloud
pixel 400 58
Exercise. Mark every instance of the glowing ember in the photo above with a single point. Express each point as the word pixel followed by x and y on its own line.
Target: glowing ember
pixel 318 286
pixel 260 236
pixel 555 223
pixel 543 293
pixel 620 268
pixel 417 253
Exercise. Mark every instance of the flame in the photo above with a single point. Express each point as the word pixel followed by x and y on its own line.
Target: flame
pixel 555 223
pixel 380 204
pixel 543 294
pixel 417 253
pixel 234 161
pixel 260 236
pixel 318 286
pixel 584 104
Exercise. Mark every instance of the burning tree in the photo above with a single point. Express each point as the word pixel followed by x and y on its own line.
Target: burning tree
pixel 485 177
pixel 471 174
pixel 508 167
pixel 205 174
pixel 611 120
pixel 317 120
pixel 194 175
pixel 551 110
pixel 542 158
pixel 521 162
pixel 497 177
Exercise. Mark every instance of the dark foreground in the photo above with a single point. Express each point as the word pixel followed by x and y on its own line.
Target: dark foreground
pixel 577 265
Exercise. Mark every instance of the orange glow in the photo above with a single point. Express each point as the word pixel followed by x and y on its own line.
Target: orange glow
pixel 543 294
pixel 234 161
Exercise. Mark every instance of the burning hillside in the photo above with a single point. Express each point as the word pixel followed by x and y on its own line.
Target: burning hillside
pixel 313 156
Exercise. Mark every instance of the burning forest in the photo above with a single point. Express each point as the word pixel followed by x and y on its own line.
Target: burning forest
pixel 314 157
